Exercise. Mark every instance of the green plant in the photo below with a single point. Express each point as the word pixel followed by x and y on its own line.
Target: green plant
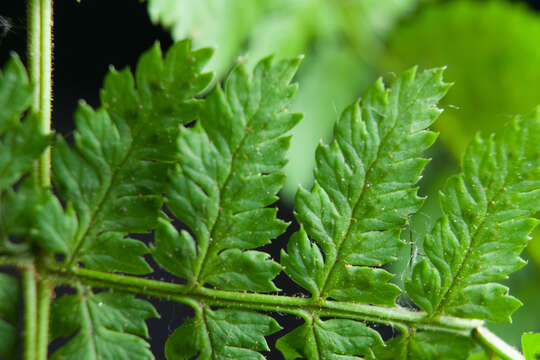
pixel 219 160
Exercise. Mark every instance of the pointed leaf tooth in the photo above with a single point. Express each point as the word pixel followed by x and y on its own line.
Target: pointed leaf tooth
pixel 175 252
pixel 302 262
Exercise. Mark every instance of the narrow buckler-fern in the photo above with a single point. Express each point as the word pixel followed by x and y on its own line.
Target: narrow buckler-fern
pixel 163 150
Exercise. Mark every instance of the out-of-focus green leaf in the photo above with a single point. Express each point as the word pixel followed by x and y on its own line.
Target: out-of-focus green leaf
pixel 367 23
pixel 223 24
pixel 344 75
pixel 19 215
pixel 490 48
pixel 530 344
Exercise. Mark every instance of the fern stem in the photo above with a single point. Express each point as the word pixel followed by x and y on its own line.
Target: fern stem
pixel 44 293
pixel 273 303
pixel 30 312
pixel 38 292
pixel 40 69
pixel 492 342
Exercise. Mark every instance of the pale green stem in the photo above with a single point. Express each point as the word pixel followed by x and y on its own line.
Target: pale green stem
pixel 285 304
pixel 45 288
pixel 40 69
pixel 38 292
pixel 30 313
pixel 399 318
pixel 492 342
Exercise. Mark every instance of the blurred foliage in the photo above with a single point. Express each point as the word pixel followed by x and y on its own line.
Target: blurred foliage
pixel 490 48
pixel 492 55
pixel 531 346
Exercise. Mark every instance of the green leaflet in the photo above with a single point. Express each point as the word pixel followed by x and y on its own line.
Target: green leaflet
pixel 332 340
pixel 20 143
pixel 19 215
pixel 15 93
pixel 221 334
pixel 106 325
pixel 364 191
pixel 229 171
pixel 20 146
pixel 531 346
pixel 114 252
pixel 487 218
pixel 109 251
pixel 9 313
pixel 115 173
pixel 426 345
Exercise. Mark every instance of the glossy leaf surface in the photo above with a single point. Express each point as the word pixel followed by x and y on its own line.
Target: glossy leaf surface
pixel 364 191
pixel 487 219
pixel 229 171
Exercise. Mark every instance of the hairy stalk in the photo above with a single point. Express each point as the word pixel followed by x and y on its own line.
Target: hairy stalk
pixel 44 295
pixel 495 344
pixel 275 303
pixel 30 312
pixel 40 69
pixel 399 318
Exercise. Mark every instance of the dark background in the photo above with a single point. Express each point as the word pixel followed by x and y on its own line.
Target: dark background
pixel 89 37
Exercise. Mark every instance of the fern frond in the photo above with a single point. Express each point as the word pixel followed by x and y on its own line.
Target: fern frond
pixel 364 191
pixel 229 171
pixel 487 217
pixel 114 174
